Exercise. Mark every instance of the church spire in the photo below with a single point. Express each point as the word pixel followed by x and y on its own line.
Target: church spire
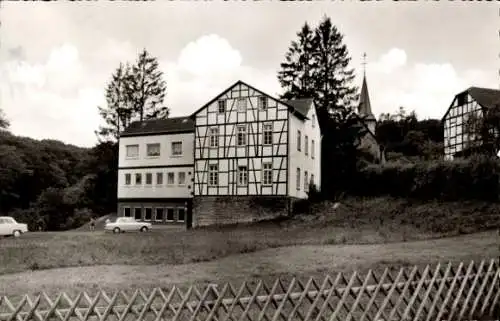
pixel 365 108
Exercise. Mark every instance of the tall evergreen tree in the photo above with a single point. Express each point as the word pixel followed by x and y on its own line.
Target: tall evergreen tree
pixel 148 88
pixel 317 66
pixel 134 93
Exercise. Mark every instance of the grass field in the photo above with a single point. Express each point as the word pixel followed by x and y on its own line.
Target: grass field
pixel 360 235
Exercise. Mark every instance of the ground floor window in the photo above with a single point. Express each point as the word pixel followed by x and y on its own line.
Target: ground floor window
pixel 159 214
pixel 149 213
pixel 138 213
pixel 127 212
pixel 170 214
pixel 181 215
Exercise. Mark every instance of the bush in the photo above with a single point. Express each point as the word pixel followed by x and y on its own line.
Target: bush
pixel 462 179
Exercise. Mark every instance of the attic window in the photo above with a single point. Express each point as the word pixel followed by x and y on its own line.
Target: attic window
pixel 461 99
pixel 262 102
pixel 222 106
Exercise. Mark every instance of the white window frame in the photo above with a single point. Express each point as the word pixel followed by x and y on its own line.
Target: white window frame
pixel 262 102
pixel 242 175
pixel 241 131
pixel 156 214
pixel 153 155
pixel 267 173
pixel 214 137
pixel 174 153
pixel 127 151
pixel 298 181
pixel 267 132
pixel 181 183
pixel 136 181
pixel 213 174
pixel 170 175
pixel 313 120
pixel 128 179
pixel 159 181
pixel 312 149
pixel 130 211
pixel 306 144
pixel 150 175
pixel 306 183
pixel 221 106
pixel 166 214
pixel 145 211
pixel 242 105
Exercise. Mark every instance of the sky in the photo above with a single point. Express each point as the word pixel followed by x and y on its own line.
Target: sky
pixel 57 57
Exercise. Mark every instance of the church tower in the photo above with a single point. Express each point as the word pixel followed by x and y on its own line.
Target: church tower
pixel 364 107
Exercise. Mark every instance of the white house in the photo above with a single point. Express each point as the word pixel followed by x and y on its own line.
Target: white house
pixel 253 155
pixel 155 170
pixel 474 100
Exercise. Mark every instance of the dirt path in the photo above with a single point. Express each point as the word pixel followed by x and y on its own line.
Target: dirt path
pixel 310 260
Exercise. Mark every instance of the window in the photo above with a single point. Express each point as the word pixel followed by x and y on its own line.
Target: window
pixel 159 178
pixel 298 179
pixel 262 102
pixel 267 173
pixel 153 150
pixel 312 179
pixel 306 183
pixel 242 105
pixel 306 146
pixel 176 148
pixel 149 214
pixel 313 121
pixel 182 178
pixel 170 178
pixel 214 137
pixel 298 140
pixel 132 150
pixel 170 214
pixel 312 148
pixel 242 175
pixel 128 179
pixel 159 214
pixel 138 213
pixel 222 106
pixel 268 134
pixel 127 212
pixel 242 136
pixel 138 179
pixel 213 175
pixel 181 215
pixel 149 178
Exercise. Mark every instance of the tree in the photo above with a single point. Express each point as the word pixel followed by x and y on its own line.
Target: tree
pixel 482 132
pixel 4 122
pixel 135 92
pixel 148 88
pixel 317 65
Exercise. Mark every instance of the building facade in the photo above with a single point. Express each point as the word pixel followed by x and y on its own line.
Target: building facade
pixel 458 135
pixel 155 171
pixel 253 155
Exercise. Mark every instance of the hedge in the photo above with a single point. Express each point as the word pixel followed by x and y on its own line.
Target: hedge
pixel 462 179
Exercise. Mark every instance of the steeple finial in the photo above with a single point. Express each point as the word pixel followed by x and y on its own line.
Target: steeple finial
pixel 364 64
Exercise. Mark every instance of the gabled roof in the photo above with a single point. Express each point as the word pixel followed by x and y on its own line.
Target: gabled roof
pixel 299 110
pixel 159 126
pixel 485 97
pixel 301 105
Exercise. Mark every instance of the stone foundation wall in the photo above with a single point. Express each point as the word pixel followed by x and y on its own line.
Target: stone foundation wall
pixel 224 210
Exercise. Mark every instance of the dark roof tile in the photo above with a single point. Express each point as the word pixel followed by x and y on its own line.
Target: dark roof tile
pixel 302 105
pixel 486 97
pixel 159 126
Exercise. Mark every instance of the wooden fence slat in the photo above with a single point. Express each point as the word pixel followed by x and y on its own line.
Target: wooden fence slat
pixel 479 286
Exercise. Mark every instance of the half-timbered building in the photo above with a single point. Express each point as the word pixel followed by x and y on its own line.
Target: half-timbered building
pixel 458 136
pixel 253 155
pixel 155 170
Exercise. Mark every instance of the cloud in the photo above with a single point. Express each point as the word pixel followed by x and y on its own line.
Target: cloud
pixel 47 100
pixel 389 62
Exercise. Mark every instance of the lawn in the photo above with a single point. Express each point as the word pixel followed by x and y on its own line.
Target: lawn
pixel 358 235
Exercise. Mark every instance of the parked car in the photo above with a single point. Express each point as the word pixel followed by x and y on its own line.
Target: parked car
pixel 9 227
pixel 126 224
